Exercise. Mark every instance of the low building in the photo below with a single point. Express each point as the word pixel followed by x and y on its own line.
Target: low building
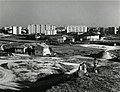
pixel 61 38
pixel 42 50
pixel 69 39
pixel 16 30
pixel 93 38
pixel 90 36
pixel 19 49
pixel 15 48
pixel 56 38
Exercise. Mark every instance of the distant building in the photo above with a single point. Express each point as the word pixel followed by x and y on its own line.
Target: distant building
pixel 11 30
pixel 62 38
pixel 37 28
pixel 50 30
pixel 34 29
pixel 102 31
pixel 116 30
pixel 69 39
pixel 6 28
pixel 112 30
pixel 56 38
pixel 77 29
pixel 16 30
pixel 43 29
pixel 19 49
pixel 31 29
pixel 93 38
pixel 90 36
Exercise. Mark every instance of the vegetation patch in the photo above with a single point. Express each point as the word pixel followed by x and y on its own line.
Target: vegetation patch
pixel 107 80
pixel 70 50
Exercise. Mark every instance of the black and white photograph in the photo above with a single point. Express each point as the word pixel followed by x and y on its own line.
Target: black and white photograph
pixel 59 45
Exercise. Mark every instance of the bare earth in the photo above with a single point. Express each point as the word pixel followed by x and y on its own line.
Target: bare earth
pixel 69 56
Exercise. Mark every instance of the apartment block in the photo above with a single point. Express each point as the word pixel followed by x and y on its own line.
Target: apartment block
pixel 77 29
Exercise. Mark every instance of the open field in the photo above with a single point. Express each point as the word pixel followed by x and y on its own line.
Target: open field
pixel 71 50
pixel 106 80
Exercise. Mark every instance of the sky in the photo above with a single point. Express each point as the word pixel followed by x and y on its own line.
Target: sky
pixel 60 12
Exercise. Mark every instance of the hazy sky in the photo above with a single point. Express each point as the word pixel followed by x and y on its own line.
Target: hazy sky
pixel 57 12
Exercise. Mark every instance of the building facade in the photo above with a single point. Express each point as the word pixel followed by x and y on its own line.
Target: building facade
pixel 112 30
pixel 43 29
pixel 77 29
pixel 31 29
pixel 16 30
pixel 93 38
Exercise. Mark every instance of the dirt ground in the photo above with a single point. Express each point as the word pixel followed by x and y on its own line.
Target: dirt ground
pixel 71 50
pixel 106 80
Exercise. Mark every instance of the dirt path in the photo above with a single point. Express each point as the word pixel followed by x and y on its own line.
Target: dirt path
pixel 7 81
pixel 105 47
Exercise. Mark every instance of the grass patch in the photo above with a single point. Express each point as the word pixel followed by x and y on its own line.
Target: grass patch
pixel 70 50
